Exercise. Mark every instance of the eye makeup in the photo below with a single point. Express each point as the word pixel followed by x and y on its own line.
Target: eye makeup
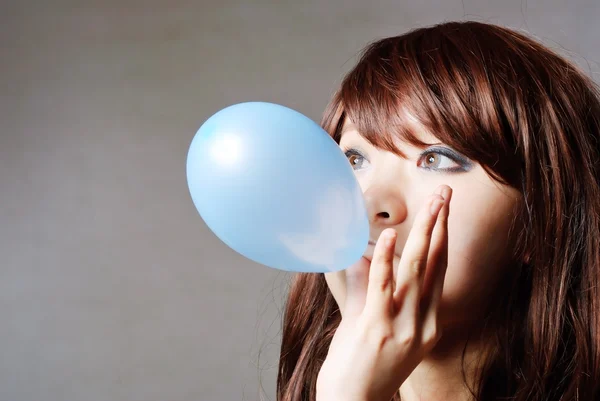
pixel 463 164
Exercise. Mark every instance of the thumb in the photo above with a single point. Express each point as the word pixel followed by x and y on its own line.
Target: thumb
pixel 357 281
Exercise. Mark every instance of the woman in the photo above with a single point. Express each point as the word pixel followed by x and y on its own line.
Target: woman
pixel 478 152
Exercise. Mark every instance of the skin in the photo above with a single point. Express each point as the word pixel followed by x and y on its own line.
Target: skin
pixel 475 236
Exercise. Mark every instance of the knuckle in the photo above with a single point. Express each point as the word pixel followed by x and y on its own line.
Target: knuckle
pixel 416 266
pixel 431 335
pixel 383 259
pixel 429 338
pixel 427 231
pixel 426 224
pixel 406 337
pixel 383 283
pixel 378 335
pixel 442 218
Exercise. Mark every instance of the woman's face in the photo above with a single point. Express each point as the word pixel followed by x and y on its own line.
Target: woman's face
pixel 481 213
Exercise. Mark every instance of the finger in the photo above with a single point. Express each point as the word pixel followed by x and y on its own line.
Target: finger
pixel 438 251
pixel 381 276
pixel 436 273
pixel 414 256
pixel 357 279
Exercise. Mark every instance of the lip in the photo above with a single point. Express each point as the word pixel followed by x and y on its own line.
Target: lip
pixel 371 248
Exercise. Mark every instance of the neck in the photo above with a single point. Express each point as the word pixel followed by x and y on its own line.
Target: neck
pixel 442 375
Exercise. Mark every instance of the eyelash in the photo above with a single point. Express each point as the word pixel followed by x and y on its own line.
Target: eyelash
pixel 464 164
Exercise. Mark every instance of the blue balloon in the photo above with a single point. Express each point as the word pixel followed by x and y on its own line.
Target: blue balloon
pixel 276 188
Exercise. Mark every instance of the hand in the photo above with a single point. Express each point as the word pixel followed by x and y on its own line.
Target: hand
pixel 388 325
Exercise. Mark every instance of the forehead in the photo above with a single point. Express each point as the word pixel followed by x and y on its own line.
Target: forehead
pixel 410 122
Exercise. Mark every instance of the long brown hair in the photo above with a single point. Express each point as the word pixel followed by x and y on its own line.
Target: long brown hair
pixel 532 120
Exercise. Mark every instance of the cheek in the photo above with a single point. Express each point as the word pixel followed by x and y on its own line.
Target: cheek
pixel 479 252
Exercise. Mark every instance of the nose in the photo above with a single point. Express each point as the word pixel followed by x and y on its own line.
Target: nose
pixel 385 207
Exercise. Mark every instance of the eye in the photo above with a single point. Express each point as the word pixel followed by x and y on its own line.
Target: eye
pixel 444 160
pixel 356 159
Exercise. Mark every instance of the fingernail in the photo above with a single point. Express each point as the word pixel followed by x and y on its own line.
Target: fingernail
pixel 436 205
pixel 445 193
pixel 439 190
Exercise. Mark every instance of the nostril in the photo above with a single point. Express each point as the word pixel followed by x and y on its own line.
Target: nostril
pixel 384 215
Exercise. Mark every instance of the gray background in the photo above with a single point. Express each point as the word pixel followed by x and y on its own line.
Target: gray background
pixel 111 286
